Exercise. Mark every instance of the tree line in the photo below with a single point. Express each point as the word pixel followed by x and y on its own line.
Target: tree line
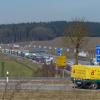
pixel 11 33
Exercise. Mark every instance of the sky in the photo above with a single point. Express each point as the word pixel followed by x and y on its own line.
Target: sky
pixel 19 11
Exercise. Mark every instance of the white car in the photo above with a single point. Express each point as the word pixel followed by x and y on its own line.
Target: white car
pixel 93 61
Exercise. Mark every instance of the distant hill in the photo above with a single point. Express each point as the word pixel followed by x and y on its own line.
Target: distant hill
pixel 11 33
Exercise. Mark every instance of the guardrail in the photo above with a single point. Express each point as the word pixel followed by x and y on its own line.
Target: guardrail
pixel 31 78
pixel 32 83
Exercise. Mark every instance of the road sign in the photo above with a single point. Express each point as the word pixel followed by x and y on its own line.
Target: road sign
pixel 98 58
pixel 58 51
pixel 98 53
pixel 61 61
pixel 98 50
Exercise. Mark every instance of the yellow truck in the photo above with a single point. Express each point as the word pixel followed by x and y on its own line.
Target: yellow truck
pixel 86 76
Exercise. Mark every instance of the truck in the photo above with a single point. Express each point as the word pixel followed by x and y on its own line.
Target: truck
pixel 86 76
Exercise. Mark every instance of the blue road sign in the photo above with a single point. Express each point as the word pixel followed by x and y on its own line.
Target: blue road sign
pixel 58 51
pixel 98 58
pixel 98 50
pixel 98 53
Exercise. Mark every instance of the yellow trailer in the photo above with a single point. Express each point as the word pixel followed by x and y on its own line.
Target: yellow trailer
pixel 84 75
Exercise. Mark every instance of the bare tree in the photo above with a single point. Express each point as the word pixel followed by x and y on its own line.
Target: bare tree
pixel 76 33
pixel 48 70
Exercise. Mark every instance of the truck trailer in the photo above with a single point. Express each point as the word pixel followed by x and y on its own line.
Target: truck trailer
pixel 86 76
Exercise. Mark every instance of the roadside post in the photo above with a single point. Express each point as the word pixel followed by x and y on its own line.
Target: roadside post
pixel 7 79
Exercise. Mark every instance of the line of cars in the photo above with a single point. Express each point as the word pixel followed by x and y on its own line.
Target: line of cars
pixel 41 57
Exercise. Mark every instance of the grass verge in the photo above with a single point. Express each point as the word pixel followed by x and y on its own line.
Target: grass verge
pixel 17 67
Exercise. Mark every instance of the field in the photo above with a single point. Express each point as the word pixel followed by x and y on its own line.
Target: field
pixel 91 42
pixel 19 67
pixel 51 95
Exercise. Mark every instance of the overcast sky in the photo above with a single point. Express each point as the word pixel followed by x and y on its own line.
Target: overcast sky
pixel 16 11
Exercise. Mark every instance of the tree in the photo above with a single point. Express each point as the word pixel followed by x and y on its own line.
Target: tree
pixel 48 70
pixel 76 33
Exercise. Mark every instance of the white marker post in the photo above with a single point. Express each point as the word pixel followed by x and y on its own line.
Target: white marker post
pixel 7 76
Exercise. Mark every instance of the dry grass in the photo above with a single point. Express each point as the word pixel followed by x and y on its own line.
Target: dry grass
pixel 54 95
pixel 58 42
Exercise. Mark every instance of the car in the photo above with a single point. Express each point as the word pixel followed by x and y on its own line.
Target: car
pixel 93 61
pixel 69 64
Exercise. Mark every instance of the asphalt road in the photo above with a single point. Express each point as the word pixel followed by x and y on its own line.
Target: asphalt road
pixel 72 61
pixel 35 84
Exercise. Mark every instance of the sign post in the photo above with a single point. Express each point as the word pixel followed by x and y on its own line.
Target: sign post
pixel 98 54
pixel 61 63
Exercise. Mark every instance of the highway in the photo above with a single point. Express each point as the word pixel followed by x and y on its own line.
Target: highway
pixel 72 61
pixel 39 83
pixel 12 79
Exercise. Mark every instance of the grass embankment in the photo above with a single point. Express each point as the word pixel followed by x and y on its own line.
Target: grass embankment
pixel 52 95
pixel 17 66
